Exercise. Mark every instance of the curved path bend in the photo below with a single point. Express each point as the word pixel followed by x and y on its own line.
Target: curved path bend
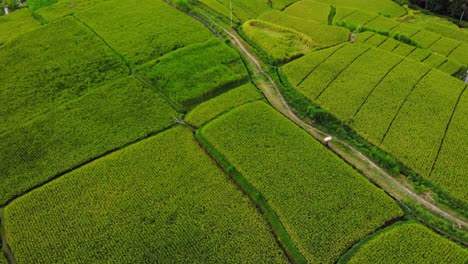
pixel 356 159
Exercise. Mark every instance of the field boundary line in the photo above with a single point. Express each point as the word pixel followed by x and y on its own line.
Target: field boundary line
pixel 339 73
pixel 277 227
pixel 365 40
pixel 402 104
pixel 456 47
pixel 440 64
pixel 355 11
pixel 6 249
pixel 372 19
pixel 124 60
pixel 84 163
pixel 427 57
pixel 446 129
pixel 378 83
pixel 392 28
pixel 412 35
pixel 396 47
pixel 432 44
pixel 318 65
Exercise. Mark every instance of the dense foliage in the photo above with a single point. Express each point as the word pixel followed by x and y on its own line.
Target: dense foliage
pixel 16 23
pixel 162 199
pixel 410 243
pixel 146 31
pixel 323 203
pixel 211 109
pixel 49 66
pixel 81 129
pixel 282 44
pixel 197 72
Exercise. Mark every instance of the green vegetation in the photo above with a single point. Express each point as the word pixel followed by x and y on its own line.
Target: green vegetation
pixel 374 117
pixel 242 10
pixel 460 54
pixel 49 66
pixel 322 35
pixel 383 23
pixel 422 121
pixel 444 46
pixel 318 80
pixel 298 70
pixel 312 10
pixel 426 38
pixel 63 8
pixel 323 203
pixel 147 31
pixel 281 43
pixel 411 243
pixel 435 60
pixel 349 90
pixel 208 110
pixel 448 172
pixel 78 131
pixel 358 18
pixel 385 7
pixel 162 198
pixel 404 49
pixel 197 72
pixel 36 4
pixel 16 23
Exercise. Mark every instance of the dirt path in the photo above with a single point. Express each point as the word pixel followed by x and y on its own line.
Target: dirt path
pixel 341 148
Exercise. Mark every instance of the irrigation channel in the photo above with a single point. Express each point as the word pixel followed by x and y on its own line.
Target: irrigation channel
pixel 347 152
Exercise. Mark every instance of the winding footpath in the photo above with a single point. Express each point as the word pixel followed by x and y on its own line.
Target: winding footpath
pixel 356 159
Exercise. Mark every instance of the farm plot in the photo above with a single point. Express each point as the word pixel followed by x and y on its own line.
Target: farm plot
pixel 15 23
pixel 389 45
pixel 376 40
pixel 460 54
pixel 147 30
pixel 386 7
pixel 383 103
pixel 55 9
pixel 162 199
pixel 359 18
pixel 410 243
pixel 349 90
pixel 426 38
pixel 444 46
pixel 78 131
pixel 282 44
pixel 323 75
pixel 63 60
pixel 450 67
pixel 322 35
pixel 435 60
pixel 419 54
pixel 208 69
pixel 449 173
pixel 210 109
pixel 243 10
pixel 312 10
pixel 323 203
pixel 383 23
pixel 415 135
pixel 404 49
pixel 299 69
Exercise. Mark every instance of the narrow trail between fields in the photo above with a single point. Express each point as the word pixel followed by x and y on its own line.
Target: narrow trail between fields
pixel 348 153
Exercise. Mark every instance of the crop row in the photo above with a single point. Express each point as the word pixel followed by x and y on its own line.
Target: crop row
pixel 419 127
pixel 147 30
pixel 210 109
pixel 323 203
pixel 322 76
pixel 63 60
pixel 162 199
pixel 404 110
pixel 207 68
pixel 77 131
pixel 349 90
pixel 410 243
pixel 448 172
